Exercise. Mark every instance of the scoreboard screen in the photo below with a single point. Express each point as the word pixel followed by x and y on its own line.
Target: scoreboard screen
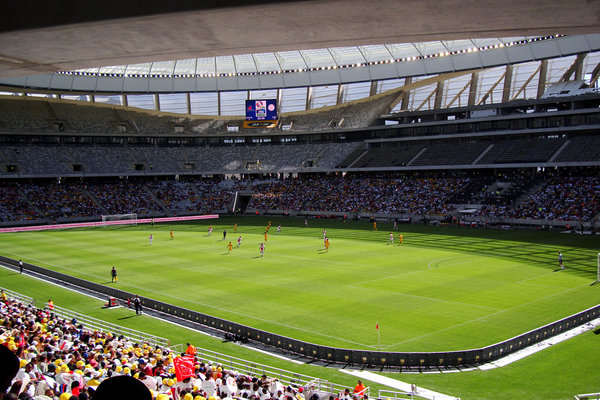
pixel 261 110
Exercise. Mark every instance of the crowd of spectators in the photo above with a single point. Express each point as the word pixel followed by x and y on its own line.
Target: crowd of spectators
pixel 13 207
pixel 369 194
pixel 124 197
pixel 505 195
pixel 570 198
pixel 61 360
pixel 56 200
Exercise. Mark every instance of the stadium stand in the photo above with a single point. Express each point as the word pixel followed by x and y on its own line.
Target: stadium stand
pixel 58 356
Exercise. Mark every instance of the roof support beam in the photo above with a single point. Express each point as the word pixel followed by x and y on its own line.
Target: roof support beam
pixel 522 88
pixel 595 74
pixel 156 102
pixel 219 103
pixel 188 100
pixel 473 89
pixel 439 95
pixel 340 94
pixel 508 77
pixel 309 98
pixel 124 100
pixel 542 79
pixel 577 65
pixel 373 90
pixel 406 94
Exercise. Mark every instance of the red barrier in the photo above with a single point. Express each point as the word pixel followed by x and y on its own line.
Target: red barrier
pixel 105 223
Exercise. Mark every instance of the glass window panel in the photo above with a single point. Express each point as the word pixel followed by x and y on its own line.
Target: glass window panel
pixel 173 102
pixel 205 66
pixel 117 100
pixel 347 55
pixel 266 62
pixel 233 103
pixel 138 69
pixel 403 50
pixel 145 101
pixel 355 91
pixel 204 103
pixel 293 99
pixel 324 96
pixel 376 53
pixel 429 48
pixel 318 58
pixel 244 63
pixel 390 84
pixel 185 67
pixel 81 97
pixel 263 94
pixel 290 60
pixel 225 65
pixel 162 68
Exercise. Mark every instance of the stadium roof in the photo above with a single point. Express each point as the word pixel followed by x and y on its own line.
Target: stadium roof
pixel 343 55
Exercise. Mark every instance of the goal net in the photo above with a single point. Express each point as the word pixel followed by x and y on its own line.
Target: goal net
pixel 119 219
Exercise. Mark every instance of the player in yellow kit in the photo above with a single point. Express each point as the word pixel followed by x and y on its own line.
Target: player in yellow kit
pixel 172 234
pixel 229 248
pixel 400 238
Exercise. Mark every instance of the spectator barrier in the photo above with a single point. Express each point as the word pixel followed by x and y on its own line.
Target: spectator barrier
pixel 333 355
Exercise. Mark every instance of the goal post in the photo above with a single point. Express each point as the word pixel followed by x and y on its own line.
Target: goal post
pixel 119 219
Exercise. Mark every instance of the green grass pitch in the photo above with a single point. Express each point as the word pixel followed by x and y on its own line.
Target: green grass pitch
pixel 444 288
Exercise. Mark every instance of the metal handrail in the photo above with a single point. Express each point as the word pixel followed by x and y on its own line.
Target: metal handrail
pixel 103 326
pixel 22 298
pixel 286 377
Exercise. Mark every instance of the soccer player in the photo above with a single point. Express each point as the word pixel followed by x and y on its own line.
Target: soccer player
pixel 305 222
pixel 224 234
pixel 400 238
pixel 327 244
pixel 391 239
pixel 262 249
pixel 266 236
pixel 395 228
pixel 209 230
pixel 229 247
pixel 150 237
pixel 172 234
pixel 234 228
pixel 239 241
pixel 113 275
pixel 374 225
pixel 560 261
pixel 278 230
pixel 324 233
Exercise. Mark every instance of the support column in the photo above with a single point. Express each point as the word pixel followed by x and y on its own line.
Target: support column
pixel 473 88
pixel 439 95
pixel 542 79
pixel 507 84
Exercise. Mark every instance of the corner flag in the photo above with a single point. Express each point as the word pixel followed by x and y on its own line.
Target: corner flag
pixel 378 337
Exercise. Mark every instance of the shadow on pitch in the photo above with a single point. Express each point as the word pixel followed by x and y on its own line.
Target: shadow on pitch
pixel 131 316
